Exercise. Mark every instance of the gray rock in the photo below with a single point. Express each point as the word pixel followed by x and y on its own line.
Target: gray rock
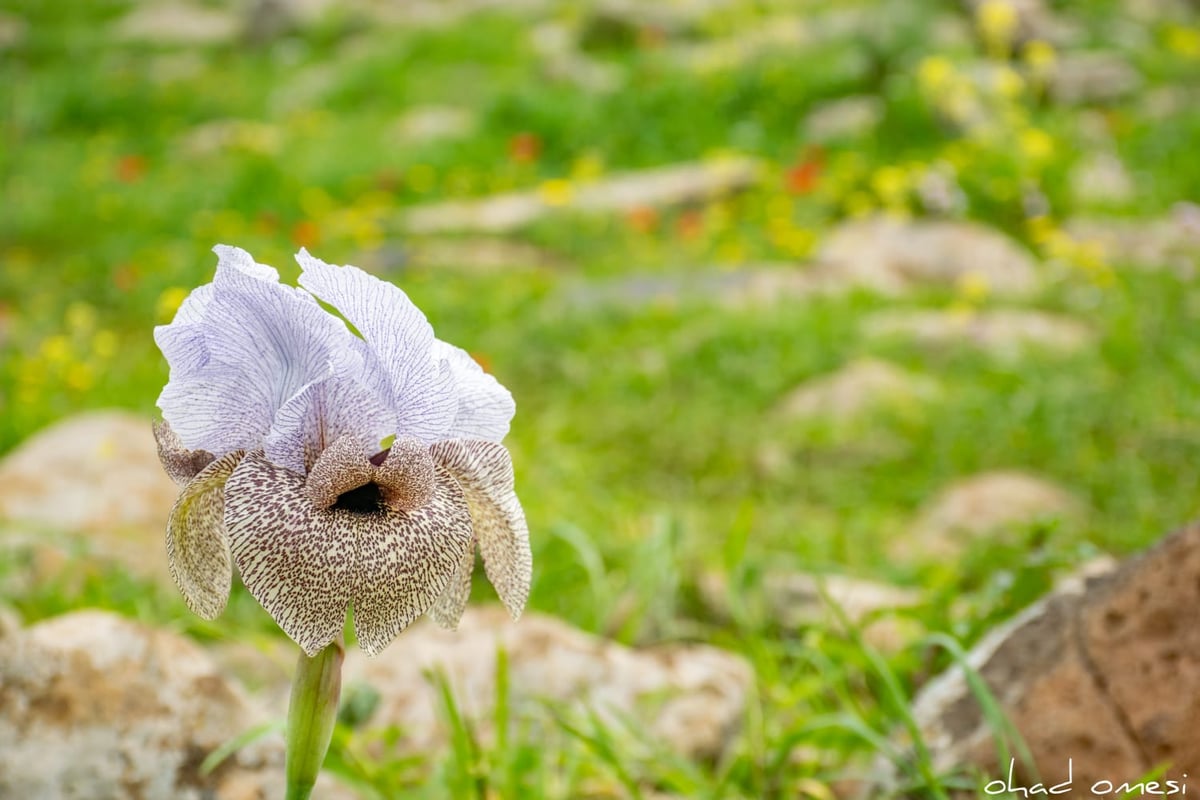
pixel 96 475
pixel 989 504
pixel 434 123
pixel 890 256
pixel 1096 77
pixel 856 390
pixel 179 23
pixel 1171 242
pixel 1006 334
pixel 13 30
pixel 664 186
pixel 845 118
pixel 97 707
pixel 1101 179
pixel 690 697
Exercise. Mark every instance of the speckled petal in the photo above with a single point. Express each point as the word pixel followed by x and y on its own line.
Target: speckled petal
pixel 297 562
pixel 197 546
pixel 342 467
pixel 406 476
pixel 448 609
pixel 179 462
pixel 406 560
pixel 484 471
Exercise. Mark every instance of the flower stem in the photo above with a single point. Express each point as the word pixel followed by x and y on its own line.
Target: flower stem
pixel 311 714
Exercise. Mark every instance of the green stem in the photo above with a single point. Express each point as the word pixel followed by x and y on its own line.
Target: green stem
pixel 311 714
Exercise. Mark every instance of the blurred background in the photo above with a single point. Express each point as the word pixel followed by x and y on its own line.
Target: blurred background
pixel 900 292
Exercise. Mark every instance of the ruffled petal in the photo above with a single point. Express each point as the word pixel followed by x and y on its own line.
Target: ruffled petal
pixel 448 609
pixel 401 339
pixel 197 546
pixel 485 408
pixel 300 564
pixel 485 473
pixel 264 342
pixel 407 477
pixel 406 560
pixel 307 565
pixel 341 468
pixel 179 462
pixel 320 414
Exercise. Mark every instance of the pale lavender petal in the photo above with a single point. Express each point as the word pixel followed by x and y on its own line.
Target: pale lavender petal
pixel 485 408
pixel 323 412
pixel 179 462
pixel 297 562
pixel 265 343
pixel 422 385
pixel 448 609
pixel 182 342
pixel 232 261
pixel 484 471
pixel 406 561
pixel 197 547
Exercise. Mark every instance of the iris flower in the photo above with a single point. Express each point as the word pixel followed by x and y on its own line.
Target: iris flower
pixel 337 467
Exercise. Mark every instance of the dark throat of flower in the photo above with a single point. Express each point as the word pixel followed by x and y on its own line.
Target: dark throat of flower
pixel 366 499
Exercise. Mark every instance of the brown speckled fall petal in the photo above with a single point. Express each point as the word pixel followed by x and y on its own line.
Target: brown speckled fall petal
pixel 197 546
pixel 406 475
pixel 406 560
pixel 298 562
pixel 179 462
pixel 342 467
pixel 484 471
pixel 448 609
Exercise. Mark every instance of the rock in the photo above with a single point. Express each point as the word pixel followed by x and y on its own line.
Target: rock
pixel 773 34
pixel 664 186
pixel 433 123
pixel 94 706
pixel 96 475
pixel 689 697
pixel 481 254
pixel 987 504
pixel 1102 179
pixel 13 30
pixel 846 118
pixel 1104 673
pixel 1004 334
pixel 797 600
pixel 1171 242
pixel 890 256
pixel 177 23
pixel 218 136
pixel 1034 20
pixel 854 391
pixel 1097 77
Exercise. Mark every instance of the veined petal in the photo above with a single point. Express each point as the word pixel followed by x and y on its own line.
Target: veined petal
pixel 182 342
pixel 401 339
pixel 448 609
pixel 484 471
pixel 485 408
pixel 263 343
pixel 298 563
pixel 179 462
pixel 197 547
pixel 320 414
pixel 406 560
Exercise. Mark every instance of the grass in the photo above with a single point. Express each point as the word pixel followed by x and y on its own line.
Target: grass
pixel 640 427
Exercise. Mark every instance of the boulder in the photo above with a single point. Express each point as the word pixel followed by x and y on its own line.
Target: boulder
pixel 1170 242
pixel 97 707
pixel 1101 679
pixel 664 186
pixel 889 255
pixel 855 391
pixel 95 475
pixel 689 698
pixel 988 504
pixel 179 23
pixel 1005 334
